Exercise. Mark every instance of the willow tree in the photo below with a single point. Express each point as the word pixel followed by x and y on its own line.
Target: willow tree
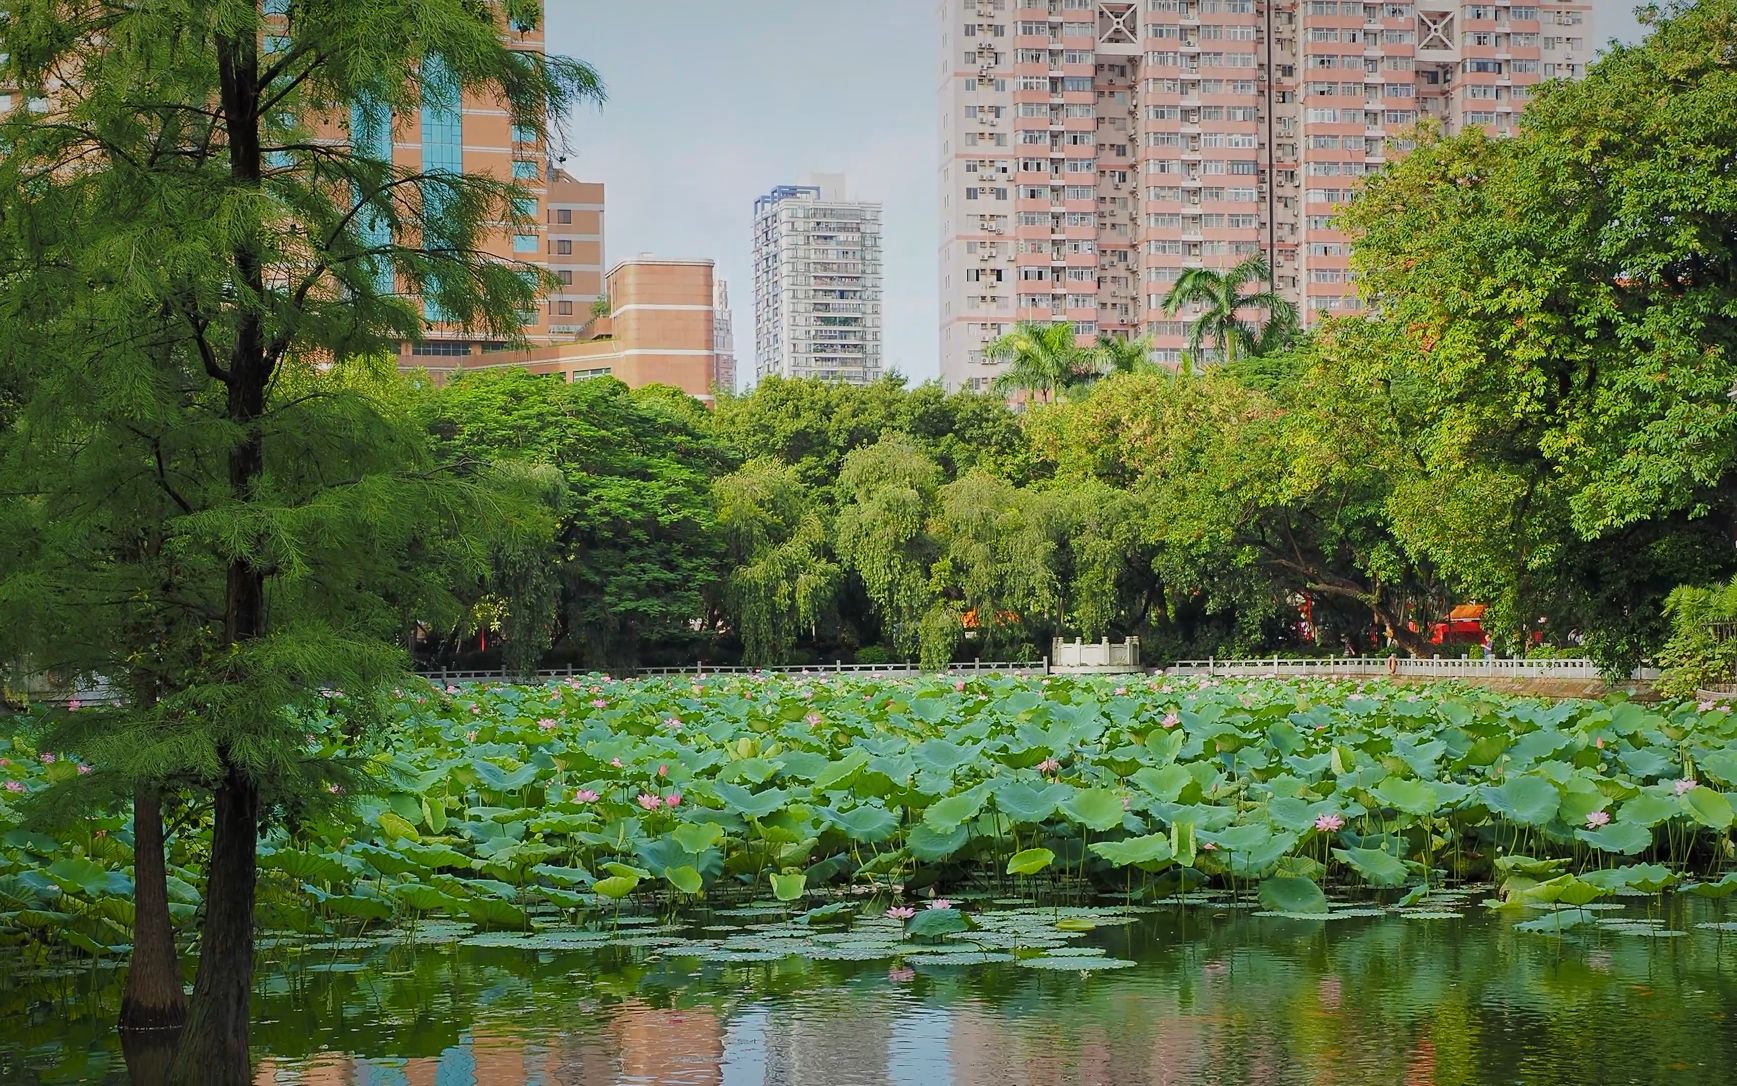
pixel 781 578
pixel 997 565
pixel 888 492
pixel 204 214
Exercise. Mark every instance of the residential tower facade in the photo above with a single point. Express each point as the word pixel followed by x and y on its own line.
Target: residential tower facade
pixel 817 283
pixel 1091 150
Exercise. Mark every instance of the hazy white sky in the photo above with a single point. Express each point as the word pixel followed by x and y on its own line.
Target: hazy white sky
pixel 714 102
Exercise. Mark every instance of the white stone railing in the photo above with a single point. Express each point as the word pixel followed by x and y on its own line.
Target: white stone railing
pixel 1400 666
pixel 1086 657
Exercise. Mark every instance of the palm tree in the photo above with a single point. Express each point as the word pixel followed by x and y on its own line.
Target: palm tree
pixel 1118 355
pixel 1043 359
pixel 1225 295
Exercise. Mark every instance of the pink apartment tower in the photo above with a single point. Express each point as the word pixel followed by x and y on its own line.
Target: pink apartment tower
pixel 1093 149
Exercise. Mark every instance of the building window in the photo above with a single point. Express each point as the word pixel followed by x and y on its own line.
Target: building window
pixel 563 248
pixel 525 243
pixel 525 170
pixel 564 309
pixel 564 216
pixel 566 278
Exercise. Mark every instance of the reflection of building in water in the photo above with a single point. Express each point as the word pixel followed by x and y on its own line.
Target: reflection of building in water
pixel 482 1058
pixel 841 1042
pixel 685 1046
pixel 1124 1039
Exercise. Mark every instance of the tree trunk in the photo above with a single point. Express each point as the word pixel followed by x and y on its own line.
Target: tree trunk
pixel 214 1049
pixel 154 999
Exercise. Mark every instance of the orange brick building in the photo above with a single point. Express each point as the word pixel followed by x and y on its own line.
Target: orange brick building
pixel 660 329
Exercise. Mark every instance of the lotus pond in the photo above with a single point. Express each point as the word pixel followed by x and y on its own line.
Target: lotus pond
pixel 721 835
pixel 1445 996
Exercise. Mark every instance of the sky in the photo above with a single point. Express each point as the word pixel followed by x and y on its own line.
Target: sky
pixel 715 102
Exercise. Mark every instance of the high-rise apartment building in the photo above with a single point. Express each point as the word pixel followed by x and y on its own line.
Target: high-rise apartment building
pixel 817 283
pixel 1093 149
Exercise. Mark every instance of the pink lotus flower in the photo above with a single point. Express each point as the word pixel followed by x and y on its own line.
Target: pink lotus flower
pixel 1685 786
pixel 897 912
pixel 900 974
pixel 47 759
pixel 586 795
pixel 1125 802
pixel 547 724
pixel 1121 691
pixel 1599 742
pixel 74 705
pixel 1171 719
pixel 334 790
pixel 1329 823
pixel 1049 765
pixel 452 689
pixel 476 710
pixel 470 736
pixel 663 770
pixel 650 801
pixel 1208 846
pixel 940 903
pixel 84 770
pixel 15 786
pixel 674 799
pixel 1597 819
pixel 1707 706
pixel 673 723
pixel 814 720
pixel 616 762
pixel 599 703
pixel 959 686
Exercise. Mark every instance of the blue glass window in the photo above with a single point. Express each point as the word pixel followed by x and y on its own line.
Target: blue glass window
pixel 525 171
pixel 524 133
pixel 442 149
pixel 526 206
pixel 371 137
pixel 525 243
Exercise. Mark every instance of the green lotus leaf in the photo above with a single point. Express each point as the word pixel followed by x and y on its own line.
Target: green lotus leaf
pixel 1711 809
pixel 1030 861
pixel 788 885
pixel 1291 894
pixel 1095 808
pixel 1153 848
pixel 1376 867
pixel 930 845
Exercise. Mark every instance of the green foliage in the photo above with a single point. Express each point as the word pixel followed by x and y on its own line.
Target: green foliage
pixel 484 811
pixel 1225 296
pixel 636 543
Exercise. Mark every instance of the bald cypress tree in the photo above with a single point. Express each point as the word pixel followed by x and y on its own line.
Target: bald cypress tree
pixel 201 257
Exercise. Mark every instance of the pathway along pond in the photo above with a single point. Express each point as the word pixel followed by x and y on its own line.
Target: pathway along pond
pixel 1441 993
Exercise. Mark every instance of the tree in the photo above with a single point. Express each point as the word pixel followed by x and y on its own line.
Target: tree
pixel 1043 359
pixel 1116 354
pixel 780 578
pixel 882 532
pixel 256 259
pixel 1562 303
pixel 995 562
pixel 1225 296
pixel 635 546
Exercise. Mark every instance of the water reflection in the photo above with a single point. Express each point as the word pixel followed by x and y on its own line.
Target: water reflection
pixel 1226 999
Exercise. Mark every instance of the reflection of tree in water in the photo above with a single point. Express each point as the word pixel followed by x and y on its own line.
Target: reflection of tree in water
pixel 1232 1000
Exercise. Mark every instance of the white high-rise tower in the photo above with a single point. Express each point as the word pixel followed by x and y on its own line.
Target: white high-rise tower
pixel 817 283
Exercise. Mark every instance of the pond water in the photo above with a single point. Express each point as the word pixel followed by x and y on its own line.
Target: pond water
pixel 1214 995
